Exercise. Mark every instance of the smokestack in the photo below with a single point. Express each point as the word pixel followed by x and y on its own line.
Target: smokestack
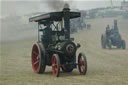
pixel 66 20
pixel 66 6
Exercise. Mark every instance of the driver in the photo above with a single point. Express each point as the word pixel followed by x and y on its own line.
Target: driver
pixel 47 34
pixel 108 30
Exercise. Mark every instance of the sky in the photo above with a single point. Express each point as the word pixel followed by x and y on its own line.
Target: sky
pixel 22 7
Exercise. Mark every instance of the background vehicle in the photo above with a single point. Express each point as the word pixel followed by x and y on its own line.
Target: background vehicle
pixel 113 38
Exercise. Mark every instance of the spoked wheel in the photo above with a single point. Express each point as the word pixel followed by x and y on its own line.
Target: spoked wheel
pixel 38 62
pixel 82 63
pixel 55 65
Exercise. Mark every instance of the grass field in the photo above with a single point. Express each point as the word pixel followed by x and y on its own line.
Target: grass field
pixel 105 67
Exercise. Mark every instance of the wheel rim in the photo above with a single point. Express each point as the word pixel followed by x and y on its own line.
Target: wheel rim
pixel 54 66
pixel 81 64
pixel 35 58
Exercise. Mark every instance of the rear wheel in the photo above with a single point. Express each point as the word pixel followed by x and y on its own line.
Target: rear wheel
pixel 82 63
pixel 123 44
pixel 38 61
pixel 55 65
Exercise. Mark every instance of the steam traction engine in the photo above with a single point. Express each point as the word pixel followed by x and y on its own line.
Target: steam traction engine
pixel 112 37
pixel 55 47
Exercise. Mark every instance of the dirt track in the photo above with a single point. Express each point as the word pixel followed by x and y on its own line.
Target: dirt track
pixel 105 67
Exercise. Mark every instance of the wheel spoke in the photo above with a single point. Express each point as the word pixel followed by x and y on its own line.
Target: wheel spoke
pixel 82 68
pixel 55 65
pixel 36 62
pixel 55 70
pixel 34 52
pixel 81 62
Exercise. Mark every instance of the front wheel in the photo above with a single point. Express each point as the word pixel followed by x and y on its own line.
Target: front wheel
pixel 82 63
pixel 55 65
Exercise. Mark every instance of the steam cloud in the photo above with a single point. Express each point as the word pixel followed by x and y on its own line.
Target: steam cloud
pixel 57 4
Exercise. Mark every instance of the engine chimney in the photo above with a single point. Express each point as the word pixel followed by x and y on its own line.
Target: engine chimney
pixel 66 20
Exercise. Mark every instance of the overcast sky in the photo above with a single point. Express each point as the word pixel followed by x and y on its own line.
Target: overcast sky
pixel 22 7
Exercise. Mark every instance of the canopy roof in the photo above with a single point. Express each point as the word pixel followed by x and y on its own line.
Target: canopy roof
pixel 53 16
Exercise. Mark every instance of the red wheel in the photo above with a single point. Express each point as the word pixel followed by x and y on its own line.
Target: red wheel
pixel 38 64
pixel 55 65
pixel 82 63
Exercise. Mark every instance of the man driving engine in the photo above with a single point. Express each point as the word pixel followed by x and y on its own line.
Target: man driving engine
pixel 47 34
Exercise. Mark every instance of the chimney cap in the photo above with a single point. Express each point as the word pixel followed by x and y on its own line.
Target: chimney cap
pixel 66 5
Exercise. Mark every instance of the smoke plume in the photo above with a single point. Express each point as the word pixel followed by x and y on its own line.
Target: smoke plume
pixel 57 4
